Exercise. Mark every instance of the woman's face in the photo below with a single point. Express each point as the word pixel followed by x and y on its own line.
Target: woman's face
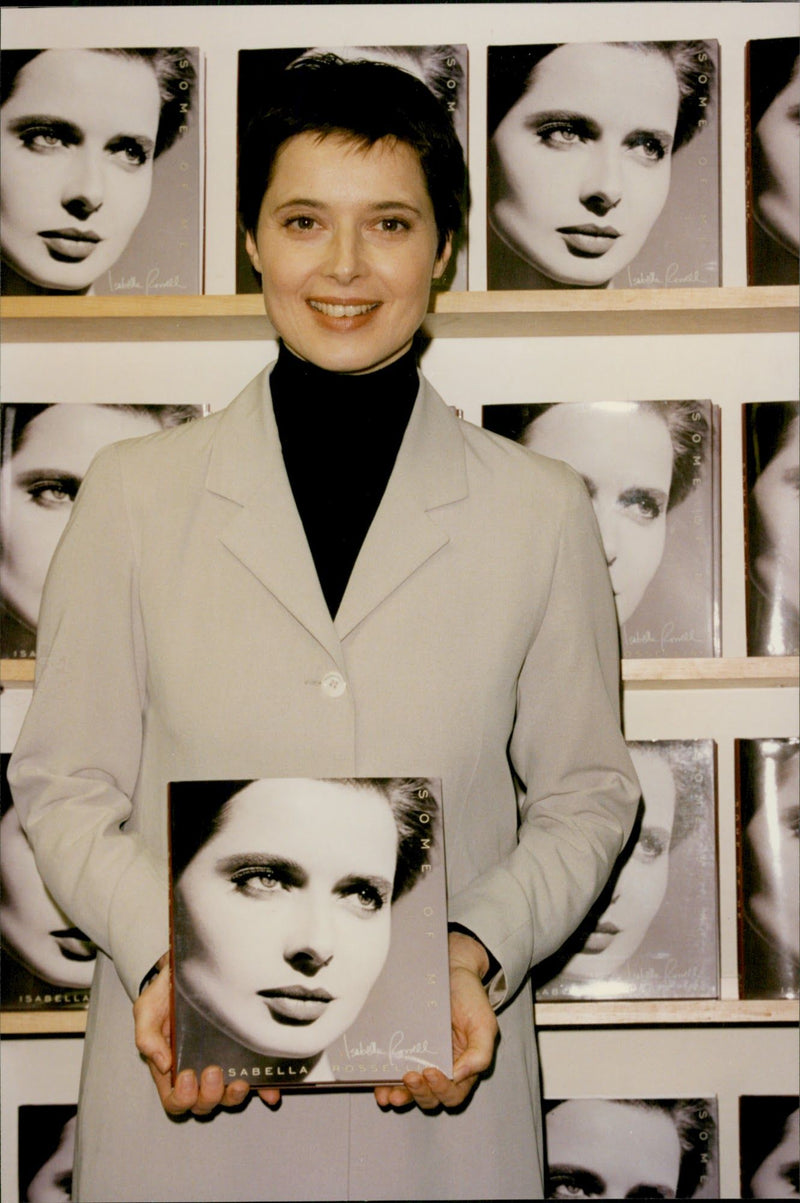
pixel 346 247
pixel 38 485
pixel 583 161
pixel 53 1182
pixel 624 454
pixel 776 1177
pixel 642 883
pixel 77 137
pixel 773 835
pixel 776 493
pixel 33 928
pixel 288 914
pixel 778 135
pixel 600 1149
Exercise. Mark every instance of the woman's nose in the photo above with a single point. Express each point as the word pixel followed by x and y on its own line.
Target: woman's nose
pixel 607 522
pixel 83 191
pixel 602 184
pixel 345 255
pixel 309 942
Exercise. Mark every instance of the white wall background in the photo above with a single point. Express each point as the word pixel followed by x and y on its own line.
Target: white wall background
pixel 728 369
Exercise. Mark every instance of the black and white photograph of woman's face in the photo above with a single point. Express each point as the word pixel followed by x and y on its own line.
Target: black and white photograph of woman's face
pixel 287 910
pixel 777 135
pixel 78 136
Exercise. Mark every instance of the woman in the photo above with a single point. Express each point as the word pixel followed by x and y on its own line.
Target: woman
pixel 79 132
pixel 276 950
pixel 46 1151
pixel 629 1148
pixel 639 460
pixel 45 451
pixel 677 796
pixel 581 140
pixel 773 120
pixel 772 482
pixel 281 603
pixel 769 1146
pixel 769 783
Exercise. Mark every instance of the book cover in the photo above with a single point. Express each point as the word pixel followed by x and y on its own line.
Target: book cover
pixel 46 963
pixel 603 165
pixel 652 471
pixel 46 1151
pixel 45 452
pixel 769 1143
pixel 640 1148
pixel 442 68
pixel 771 439
pixel 103 172
pixel 653 933
pixel 309 929
pixel 772 160
pixel 768 867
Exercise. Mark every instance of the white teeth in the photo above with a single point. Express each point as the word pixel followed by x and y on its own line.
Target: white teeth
pixel 341 310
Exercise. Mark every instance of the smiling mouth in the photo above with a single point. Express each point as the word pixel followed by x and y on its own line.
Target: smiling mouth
pixel 296 1005
pixel 70 245
pixel 344 309
pixel 73 944
pixel 589 241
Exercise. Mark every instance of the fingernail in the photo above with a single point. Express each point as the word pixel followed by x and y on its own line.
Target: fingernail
pixel 184 1081
pixel 213 1076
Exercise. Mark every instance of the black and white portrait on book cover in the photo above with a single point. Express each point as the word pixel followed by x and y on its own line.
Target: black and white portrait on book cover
pixel 652 471
pixel 46 1151
pixel 45 452
pixel 603 165
pixel 309 929
pixel 772 83
pixel 769 1146
pixel 102 187
pixel 654 930
pixel 443 68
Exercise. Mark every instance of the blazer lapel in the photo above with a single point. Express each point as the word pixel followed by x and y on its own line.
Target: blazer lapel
pixel 430 471
pixel 266 534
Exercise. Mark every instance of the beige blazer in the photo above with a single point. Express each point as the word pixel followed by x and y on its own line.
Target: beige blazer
pixel 184 634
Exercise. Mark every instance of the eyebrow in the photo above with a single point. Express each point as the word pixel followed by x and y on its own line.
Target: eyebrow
pixel 381 884
pixel 290 869
pixel 376 206
pixel 68 129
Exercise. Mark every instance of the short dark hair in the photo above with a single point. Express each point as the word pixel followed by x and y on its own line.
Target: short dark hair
pixel 172 66
pixel 511 70
pixel 363 102
pixel 413 802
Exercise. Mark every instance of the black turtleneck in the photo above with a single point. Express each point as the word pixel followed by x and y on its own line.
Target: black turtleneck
pixel 340 436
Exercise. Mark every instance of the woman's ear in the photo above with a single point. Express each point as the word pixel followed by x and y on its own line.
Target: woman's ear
pixel 442 260
pixel 252 250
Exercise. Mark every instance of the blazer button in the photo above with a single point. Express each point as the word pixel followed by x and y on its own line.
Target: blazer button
pixel 334 685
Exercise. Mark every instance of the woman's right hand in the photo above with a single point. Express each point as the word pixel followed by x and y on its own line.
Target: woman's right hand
pixel 151 1013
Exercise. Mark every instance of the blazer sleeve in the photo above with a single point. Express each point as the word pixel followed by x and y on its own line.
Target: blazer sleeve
pixel 76 763
pixel 581 793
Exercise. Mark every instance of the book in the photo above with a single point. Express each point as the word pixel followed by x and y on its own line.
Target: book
pixel 443 68
pixel 652 471
pixel 631 1148
pixel 768 868
pixel 653 933
pixel 771 440
pixel 46 963
pixel 309 930
pixel 45 451
pixel 769 1139
pixel 104 194
pixel 772 161
pixel 45 1151
pixel 601 172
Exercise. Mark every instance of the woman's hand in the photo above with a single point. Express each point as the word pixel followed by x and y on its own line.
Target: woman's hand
pixel 152 1029
pixel 474 1034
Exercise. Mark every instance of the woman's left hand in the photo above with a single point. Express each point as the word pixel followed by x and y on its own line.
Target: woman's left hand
pixel 474 1034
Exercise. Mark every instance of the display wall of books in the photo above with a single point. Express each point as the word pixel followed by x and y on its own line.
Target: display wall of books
pixel 772 165
pixel 309 929
pixel 442 68
pixel 771 440
pixel 45 451
pixel 767 785
pixel 46 964
pixel 104 195
pixel 46 1143
pixel 652 470
pixel 643 1148
pixel 598 174
pixel 769 1144
pixel 654 931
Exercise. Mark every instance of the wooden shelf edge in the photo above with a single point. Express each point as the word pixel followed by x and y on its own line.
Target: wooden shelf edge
pixel 674 1012
pixel 42 1023
pixel 714 672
